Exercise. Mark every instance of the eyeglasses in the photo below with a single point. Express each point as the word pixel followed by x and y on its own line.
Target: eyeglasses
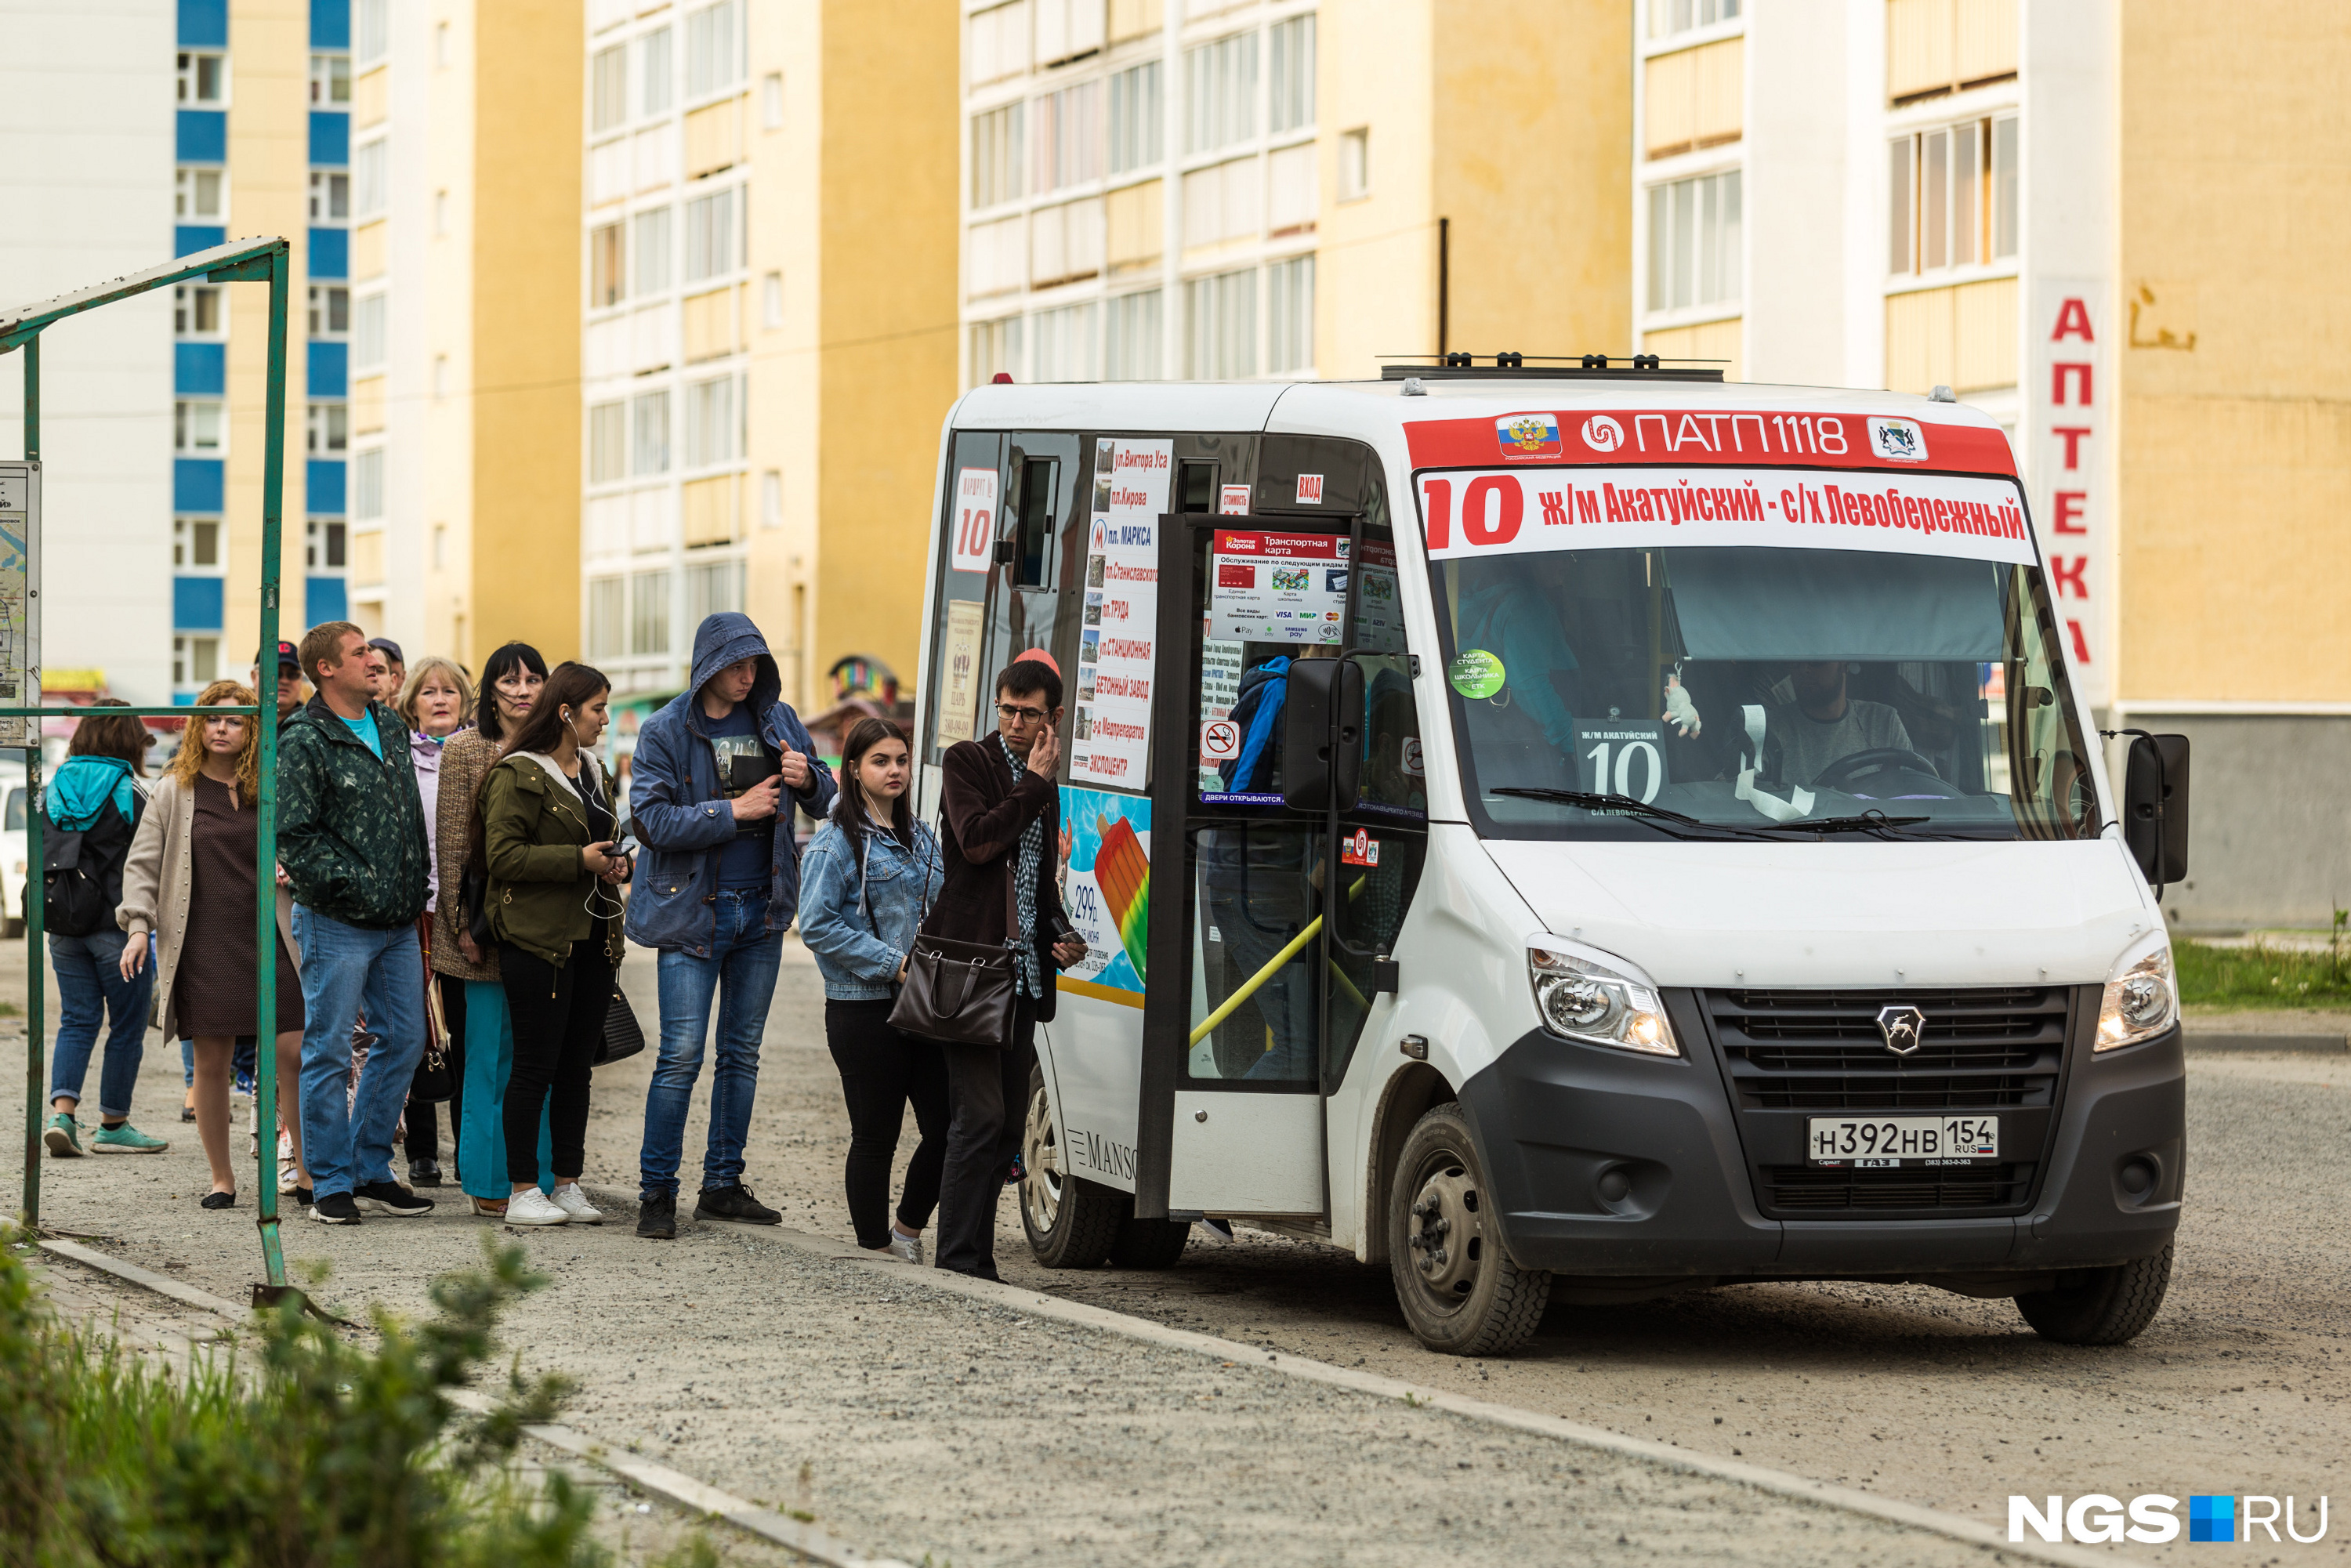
pixel 1020 714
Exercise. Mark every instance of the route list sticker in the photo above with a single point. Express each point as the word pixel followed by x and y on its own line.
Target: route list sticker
pixel 1474 673
pixel 1111 741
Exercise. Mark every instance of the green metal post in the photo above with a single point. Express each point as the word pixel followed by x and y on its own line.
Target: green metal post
pixel 273 506
pixel 37 1089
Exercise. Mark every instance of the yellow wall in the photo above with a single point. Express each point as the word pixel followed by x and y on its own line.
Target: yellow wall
pixel 525 349
pixel 2236 453
pixel 887 319
pixel 1375 257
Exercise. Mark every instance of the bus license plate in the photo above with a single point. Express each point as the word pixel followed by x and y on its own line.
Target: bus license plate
pixel 1901 1140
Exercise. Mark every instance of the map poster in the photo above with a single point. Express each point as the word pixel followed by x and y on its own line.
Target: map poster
pixel 20 580
pixel 1106 883
pixel 1117 645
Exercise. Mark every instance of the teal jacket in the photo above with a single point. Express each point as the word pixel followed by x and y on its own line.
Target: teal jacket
pixel 350 827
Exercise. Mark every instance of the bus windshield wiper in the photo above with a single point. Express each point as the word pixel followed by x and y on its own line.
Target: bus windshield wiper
pixel 1867 822
pixel 1656 816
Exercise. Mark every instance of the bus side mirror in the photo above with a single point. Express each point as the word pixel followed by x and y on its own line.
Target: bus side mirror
pixel 1322 733
pixel 2155 806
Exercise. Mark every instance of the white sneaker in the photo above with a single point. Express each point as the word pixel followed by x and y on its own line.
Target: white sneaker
pixel 287 1178
pixel 909 1248
pixel 574 1204
pixel 532 1207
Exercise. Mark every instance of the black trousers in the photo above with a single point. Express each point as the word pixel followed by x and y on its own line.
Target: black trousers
pixel 882 1071
pixel 559 1022
pixel 987 1100
pixel 423 1127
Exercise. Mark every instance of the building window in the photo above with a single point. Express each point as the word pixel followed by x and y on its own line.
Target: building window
pixel 996 155
pixel 440 211
pixel 607 271
pixel 710 49
pixel 325 545
pixel 1951 196
pixel 199 427
pixel 652 251
pixel 196 660
pixel 195 543
pixel 997 44
pixel 372 31
pixel 370 168
pixel 710 235
pixel 649 618
pixel 1067 347
pixel 1355 164
pixel 196 310
pixel 201 195
pixel 649 422
pixel 771 300
pixel 1694 241
pixel 771 102
pixel 331 82
pixel 994 350
pixel 1135 337
pixel 771 499
pixel 1668 17
pixel 368 336
pixel 656 72
pixel 331 311
pixel 439 545
pixel 367 485
pixel 1290 75
pixel 330 429
pixel 330 197
pixel 1220 327
pixel 1067 139
pixel 608 451
pixel 1220 93
pixel 607 87
pixel 441 45
pixel 607 597
pixel 1289 315
pixel 713 588
pixel 203 79
pixel 710 421
pixel 1135 118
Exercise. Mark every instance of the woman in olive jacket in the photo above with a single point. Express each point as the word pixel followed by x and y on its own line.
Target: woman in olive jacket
pixel 548 830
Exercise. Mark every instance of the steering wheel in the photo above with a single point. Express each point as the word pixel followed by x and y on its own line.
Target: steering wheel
pixel 1845 768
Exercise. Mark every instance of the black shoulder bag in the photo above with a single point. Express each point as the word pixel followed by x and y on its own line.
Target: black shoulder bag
pixel 961 993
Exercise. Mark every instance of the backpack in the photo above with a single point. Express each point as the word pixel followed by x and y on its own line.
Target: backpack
pixel 82 874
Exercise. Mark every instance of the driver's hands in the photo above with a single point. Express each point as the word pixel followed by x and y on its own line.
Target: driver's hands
pixel 1680 712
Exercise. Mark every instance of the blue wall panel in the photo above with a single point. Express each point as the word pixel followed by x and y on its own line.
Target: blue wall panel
pixel 331 370
pixel 331 24
pixel 326 599
pixel 196 604
pixel 322 486
pixel 196 484
pixel 203 136
pixel 199 369
pixel 189 239
pixel 331 137
pixel 203 24
pixel 330 253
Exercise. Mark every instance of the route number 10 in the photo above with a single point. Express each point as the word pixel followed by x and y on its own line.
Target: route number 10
pixel 973 520
pixel 1652 768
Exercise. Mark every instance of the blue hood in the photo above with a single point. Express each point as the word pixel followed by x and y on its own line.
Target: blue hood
pixel 722 640
pixel 80 789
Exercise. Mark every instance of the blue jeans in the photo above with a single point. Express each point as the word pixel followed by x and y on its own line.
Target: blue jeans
pixel 92 991
pixel 347 969
pixel 744 957
pixel 481 1136
pixel 241 1058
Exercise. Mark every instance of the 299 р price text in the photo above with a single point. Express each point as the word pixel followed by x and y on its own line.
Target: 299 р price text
pixel 1901 1140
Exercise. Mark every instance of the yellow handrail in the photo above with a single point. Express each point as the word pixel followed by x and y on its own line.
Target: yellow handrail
pixel 1225 1009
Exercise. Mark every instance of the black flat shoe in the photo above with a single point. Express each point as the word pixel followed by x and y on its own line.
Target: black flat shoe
pixel 217 1200
pixel 425 1172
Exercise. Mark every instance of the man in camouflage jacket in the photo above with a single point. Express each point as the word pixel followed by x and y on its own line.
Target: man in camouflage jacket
pixel 350 837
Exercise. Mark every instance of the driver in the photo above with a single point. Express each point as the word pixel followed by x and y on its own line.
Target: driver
pixel 1823 724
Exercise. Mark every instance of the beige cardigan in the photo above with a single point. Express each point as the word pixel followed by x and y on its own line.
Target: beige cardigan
pixel 158 881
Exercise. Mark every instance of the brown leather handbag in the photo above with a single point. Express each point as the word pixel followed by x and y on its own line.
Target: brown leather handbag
pixel 961 993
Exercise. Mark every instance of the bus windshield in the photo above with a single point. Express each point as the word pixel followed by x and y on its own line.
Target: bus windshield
pixel 1760 690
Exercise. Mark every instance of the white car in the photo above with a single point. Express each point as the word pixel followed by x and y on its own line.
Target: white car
pixel 12 850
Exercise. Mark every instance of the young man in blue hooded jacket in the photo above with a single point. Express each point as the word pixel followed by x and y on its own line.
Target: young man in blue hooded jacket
pixel 717 774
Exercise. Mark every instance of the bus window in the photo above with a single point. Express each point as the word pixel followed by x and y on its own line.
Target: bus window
pixel 1034 531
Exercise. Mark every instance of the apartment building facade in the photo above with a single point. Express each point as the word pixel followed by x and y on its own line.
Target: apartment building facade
pixel 2027 202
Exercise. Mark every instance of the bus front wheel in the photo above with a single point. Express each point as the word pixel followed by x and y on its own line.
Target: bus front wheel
pixel 1460 1292
pixel 1071 1223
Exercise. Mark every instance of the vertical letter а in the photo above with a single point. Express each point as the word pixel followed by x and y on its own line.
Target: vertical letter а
pixel 2072 321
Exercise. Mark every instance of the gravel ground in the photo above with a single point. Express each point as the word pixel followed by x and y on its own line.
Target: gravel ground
pixel 928 1435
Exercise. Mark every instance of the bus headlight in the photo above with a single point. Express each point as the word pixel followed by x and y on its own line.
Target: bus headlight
pixel 2141 1001
pixel 1581 998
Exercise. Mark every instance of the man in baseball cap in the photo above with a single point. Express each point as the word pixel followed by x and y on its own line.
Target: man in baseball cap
pixel 393 671
pixel 290 678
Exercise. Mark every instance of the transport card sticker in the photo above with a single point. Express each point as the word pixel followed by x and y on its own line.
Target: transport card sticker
pixel 1474 673
pixel 1106 883
pixel 1117 648
pixel 1277 588
pixel 974 520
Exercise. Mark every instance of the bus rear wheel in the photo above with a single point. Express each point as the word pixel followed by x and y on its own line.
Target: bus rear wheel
pixel 1461 1291
pixel 1071 1222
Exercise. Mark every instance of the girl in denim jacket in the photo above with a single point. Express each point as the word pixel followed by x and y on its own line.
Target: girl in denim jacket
pixel 866 881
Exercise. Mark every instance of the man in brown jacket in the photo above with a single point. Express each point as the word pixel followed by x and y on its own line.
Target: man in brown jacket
pixel 1003 817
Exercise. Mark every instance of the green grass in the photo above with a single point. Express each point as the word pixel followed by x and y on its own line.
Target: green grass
pixel 2263 977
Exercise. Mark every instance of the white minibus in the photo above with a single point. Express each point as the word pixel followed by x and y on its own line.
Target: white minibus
pixel 1572 833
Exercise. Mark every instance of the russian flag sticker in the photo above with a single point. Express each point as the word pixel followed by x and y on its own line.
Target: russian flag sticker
pixel 1525 436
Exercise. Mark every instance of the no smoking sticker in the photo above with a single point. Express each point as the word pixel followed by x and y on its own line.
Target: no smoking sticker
pixel 1221 740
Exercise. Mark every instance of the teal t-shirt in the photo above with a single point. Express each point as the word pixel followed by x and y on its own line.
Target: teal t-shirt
pixel 364 727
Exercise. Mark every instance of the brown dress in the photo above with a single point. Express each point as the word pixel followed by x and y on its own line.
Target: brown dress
pixel 212 992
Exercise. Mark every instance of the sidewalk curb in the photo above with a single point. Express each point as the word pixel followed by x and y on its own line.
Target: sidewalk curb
pixel 672 1486
pixel 1760 1477
pixel 2234 1041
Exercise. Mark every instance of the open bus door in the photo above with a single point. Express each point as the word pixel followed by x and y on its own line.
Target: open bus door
pixel 1290 824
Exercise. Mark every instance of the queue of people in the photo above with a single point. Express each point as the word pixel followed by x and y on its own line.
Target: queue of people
pixel 456 872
